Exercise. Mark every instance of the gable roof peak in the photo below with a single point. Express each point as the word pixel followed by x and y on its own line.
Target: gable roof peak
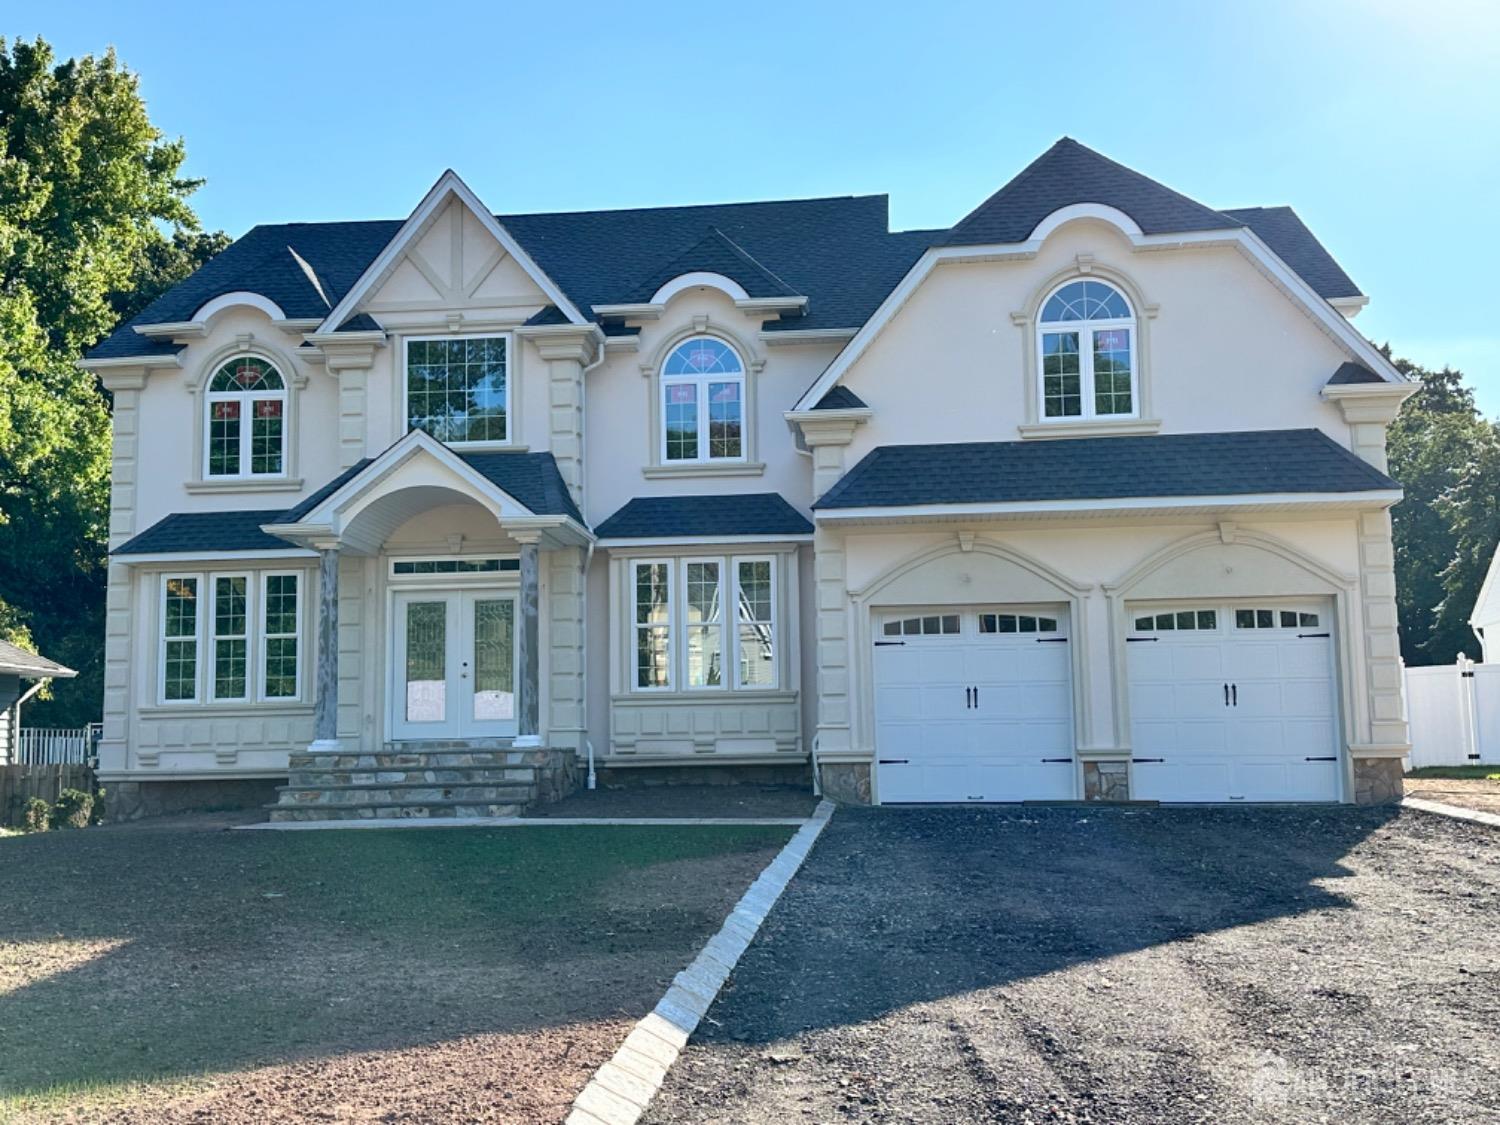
pixel 1069 173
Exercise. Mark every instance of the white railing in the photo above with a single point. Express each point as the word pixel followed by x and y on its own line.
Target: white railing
pixel 1454 713
pixel 53 746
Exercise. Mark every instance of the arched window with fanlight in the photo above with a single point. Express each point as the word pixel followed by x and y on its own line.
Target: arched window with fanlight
pixel 703 402
pixel 245 431
pixel 1086 346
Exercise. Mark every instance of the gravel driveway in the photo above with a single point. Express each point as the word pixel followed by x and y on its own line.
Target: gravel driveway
pixel 1110 965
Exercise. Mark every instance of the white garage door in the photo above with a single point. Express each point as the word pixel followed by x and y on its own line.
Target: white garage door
pixel 974 705
pixel 1233 703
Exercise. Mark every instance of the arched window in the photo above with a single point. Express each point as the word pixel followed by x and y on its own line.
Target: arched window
pixel 703 402
pixel 246 423
pixel 1086 343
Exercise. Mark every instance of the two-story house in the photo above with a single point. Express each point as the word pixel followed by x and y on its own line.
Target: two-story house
pixel 1081 498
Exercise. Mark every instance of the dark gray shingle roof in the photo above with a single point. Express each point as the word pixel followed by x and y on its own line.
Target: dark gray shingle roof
pixel 717 253
pixel 676 517
pixel 207 533
pixel 1104 468
pixel 1069 173
pixel 532 478
pixel 1351 372
pixel 1287 235
pixel 839 397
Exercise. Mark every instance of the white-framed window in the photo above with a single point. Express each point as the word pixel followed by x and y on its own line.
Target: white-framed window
pixel 704 624
pixel 245 430
pixel 230 637
pixel 230 624
pixel 1086 349
pixel 178 661
pixel 651 583
pixel 702 402
pixel 457 388
pixel 281 633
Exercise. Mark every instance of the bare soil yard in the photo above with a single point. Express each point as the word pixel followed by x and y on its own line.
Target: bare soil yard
pixel 1115 965
pixel 1467 787
pixel 172 974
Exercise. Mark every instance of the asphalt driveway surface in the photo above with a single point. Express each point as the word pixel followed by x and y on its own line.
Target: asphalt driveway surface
pixel 1116 965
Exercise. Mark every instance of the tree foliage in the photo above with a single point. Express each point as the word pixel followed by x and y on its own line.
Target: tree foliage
pixel 94 221
pixel 1447 458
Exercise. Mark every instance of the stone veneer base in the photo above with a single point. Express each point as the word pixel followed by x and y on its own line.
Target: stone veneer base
pixel 135 800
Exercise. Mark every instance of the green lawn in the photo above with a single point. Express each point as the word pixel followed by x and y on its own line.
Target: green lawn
pixel 141 955
pixel 1478 773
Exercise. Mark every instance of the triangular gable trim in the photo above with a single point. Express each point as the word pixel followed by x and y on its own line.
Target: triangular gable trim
pixel 1245 239
pixel 449 185
pixel 412 444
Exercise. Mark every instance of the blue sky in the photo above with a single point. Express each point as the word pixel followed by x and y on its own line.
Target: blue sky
pixel 1378 120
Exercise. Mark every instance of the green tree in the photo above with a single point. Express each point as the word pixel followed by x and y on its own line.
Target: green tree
pixel 94 221
pixel 1445 455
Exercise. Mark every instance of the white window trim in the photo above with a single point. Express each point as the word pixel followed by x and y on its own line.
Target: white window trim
pixel 263 636
pixel 205 638
pixel 247 400
pixel 210 613
pixel 729 625
pixel 774 624
pixel 701 382
pixel 162 639
pixel 404 413
pixel 1085 330
pixel 636 626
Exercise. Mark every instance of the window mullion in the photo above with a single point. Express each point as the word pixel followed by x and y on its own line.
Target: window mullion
pixel 703 443
pixel 1086 369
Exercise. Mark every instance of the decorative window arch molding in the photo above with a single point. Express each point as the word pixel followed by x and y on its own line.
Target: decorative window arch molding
pixel 1100 212
pixel 726 285
pixel 751 354
pixel 1230 563
pixel 239 299
pixel 968 570
pixel 195 382
pixel 1084 267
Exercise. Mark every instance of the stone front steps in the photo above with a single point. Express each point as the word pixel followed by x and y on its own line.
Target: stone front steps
pixel 479 778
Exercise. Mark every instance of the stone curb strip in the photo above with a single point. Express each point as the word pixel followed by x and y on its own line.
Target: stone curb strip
pixel 1452 811
pixel 623 1087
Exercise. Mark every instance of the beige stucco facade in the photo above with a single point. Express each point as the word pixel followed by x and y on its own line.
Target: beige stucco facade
pixel 1222 344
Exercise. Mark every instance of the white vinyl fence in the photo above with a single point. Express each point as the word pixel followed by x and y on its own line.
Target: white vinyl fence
pixel 51 746
pixel 1454 712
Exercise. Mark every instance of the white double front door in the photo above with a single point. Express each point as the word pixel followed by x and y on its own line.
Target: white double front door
pixel 454 664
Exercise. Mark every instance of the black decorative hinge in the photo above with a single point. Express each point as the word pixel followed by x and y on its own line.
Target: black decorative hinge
pixel 1330 758
pixel 885 644
pixel 894 761
pixel 1310 636
pixel 1132 640
pixel 1057 759
pixel 1148 759
pixel 1052 640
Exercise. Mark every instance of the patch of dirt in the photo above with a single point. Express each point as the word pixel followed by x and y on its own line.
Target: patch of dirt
pixel 531 1077
pixel 1146 965
pixel 734 801
pixel 1475 793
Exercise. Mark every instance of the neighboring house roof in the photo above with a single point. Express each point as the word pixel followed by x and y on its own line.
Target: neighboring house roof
pixel 839 398
pixel 1486 612
pixel 705 517
pixel 1351 372
pixel 1288 236
pixel 1069 173
pixel 1101 468
pixel 16 661
pixel 532 479
pixel 717 253
pixel 838 252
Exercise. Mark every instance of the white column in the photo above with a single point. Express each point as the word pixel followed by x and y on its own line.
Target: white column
pixel 326 693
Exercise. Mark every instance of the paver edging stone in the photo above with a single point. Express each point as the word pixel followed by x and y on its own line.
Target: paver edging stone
pixel 623 1087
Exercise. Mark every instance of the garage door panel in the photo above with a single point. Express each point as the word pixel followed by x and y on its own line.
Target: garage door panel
pixel 971 716
pixel 1270 740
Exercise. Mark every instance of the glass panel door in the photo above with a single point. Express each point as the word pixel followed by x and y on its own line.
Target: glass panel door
pixel 493 656
pixel 424 704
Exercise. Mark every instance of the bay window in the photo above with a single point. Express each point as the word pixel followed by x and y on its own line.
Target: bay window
pixel 704 624
pixel 250 628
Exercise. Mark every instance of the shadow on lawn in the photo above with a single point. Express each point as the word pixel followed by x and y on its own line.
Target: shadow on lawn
pixel 223 951
pixel 900 906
